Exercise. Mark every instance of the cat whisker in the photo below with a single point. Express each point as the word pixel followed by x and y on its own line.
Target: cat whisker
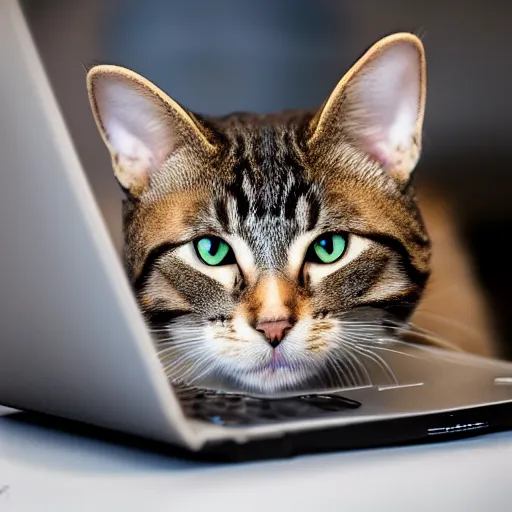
pixel 405 328
pixel 386 349
pixel 177 356
pixel 197 365
pixel 202 374
pixel 423 348
pixel 160 332
pixel 336 367
pixel 181 341
pixel 359 378
pixel 449 321
pixel 179 368
pixel 181 358
pixel 177 343
pixel 363 368
pixel 376 358
pixel 434 338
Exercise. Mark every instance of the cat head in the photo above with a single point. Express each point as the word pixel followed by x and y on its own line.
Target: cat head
pixel 258 245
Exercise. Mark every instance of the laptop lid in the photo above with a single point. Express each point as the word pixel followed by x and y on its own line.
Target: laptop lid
pixel 73 341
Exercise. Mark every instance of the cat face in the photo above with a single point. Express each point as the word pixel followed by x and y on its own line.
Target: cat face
pixel 264 250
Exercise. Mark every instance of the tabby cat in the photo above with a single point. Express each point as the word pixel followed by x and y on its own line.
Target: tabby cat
pixel 267 250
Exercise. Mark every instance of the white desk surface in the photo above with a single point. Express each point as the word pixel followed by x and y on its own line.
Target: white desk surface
pixel 44 469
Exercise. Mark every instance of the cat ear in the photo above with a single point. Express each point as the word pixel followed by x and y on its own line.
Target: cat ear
pixel 378 106
pixel 139 123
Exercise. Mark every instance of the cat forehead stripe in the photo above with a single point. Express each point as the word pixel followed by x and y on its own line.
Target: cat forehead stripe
pixel 268 177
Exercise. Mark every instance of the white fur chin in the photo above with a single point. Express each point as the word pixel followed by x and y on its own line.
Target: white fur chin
pixel 270 382
pixel 248 365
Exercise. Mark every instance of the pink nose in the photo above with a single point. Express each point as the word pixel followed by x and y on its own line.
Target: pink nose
pixel 274 331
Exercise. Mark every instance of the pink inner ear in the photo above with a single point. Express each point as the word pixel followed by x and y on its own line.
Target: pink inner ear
pixel 136 124
pixel 129 148
pixel 380 154
pixel 384 104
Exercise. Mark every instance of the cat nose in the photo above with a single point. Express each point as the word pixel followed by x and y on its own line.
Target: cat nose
pixel 275 330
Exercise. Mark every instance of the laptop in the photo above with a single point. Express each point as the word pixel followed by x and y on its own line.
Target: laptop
pixel 75 346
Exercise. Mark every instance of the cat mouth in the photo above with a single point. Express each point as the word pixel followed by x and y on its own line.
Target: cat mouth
pixel 276 363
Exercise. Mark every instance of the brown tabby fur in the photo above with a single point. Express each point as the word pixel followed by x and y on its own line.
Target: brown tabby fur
pixel 454 305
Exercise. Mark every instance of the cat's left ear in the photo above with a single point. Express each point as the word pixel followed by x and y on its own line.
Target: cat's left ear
pixel 140 125
pixel 378 106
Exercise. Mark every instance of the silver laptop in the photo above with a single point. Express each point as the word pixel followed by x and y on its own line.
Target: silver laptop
pixel 74 345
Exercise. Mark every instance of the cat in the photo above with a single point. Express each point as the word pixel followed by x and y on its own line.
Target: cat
pixel 269 250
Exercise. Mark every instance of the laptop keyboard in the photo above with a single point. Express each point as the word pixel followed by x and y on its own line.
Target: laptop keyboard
pixel 230 409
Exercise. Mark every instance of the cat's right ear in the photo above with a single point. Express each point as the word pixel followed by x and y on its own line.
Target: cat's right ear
pixel 140 125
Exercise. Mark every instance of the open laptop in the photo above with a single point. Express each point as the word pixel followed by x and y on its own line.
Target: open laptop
pixel 74 345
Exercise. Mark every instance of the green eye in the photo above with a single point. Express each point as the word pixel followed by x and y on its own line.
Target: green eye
pixel 328 248
pixel 214 251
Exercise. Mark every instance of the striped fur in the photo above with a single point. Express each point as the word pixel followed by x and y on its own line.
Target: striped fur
pixel 269 185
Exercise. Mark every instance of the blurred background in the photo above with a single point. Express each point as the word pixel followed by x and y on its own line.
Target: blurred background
pixel 217 56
